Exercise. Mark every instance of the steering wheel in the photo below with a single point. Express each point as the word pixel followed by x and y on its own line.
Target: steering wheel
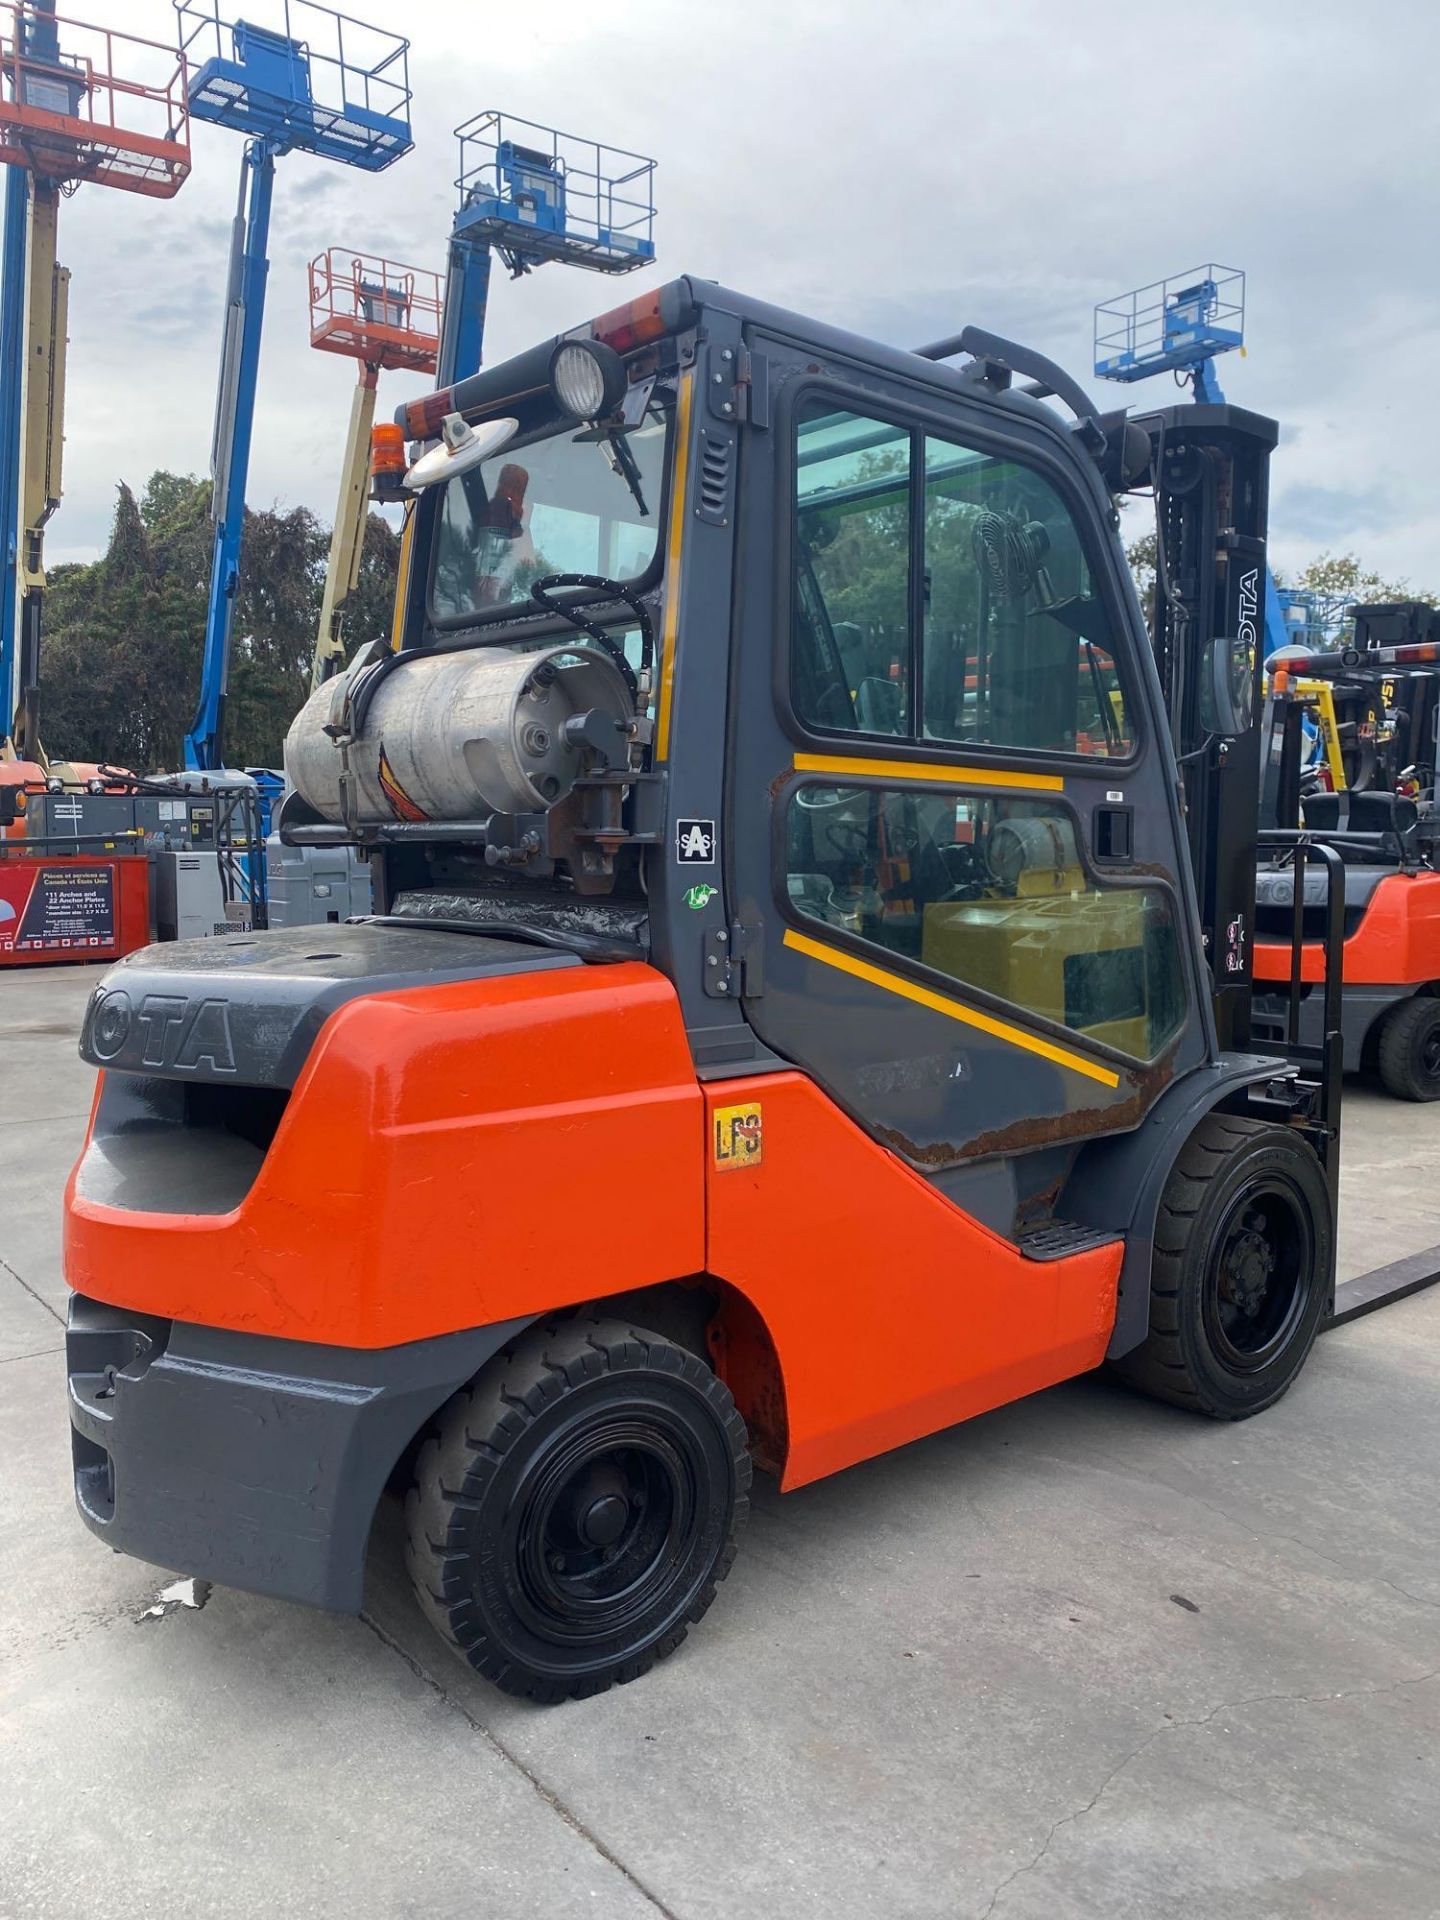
pixel 599 592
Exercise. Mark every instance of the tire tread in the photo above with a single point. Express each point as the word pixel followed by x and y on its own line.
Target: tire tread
pixel 1160 1366
pixel 1399 1031
pixel 474 1432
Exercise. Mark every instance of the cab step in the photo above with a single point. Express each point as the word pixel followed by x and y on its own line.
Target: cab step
pixel 1058 1239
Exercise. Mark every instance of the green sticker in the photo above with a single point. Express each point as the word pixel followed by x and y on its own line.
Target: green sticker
pixel 700 896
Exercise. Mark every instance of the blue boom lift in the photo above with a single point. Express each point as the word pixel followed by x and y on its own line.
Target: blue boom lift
pixel 532 194
pixel 315 81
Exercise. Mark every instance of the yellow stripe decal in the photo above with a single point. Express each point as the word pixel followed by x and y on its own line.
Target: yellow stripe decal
pixel 669 632
pixel 402 578
pixel 936 772
pixel 939 1003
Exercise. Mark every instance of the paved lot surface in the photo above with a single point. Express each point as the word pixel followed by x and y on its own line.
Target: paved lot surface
pixel 1082 1657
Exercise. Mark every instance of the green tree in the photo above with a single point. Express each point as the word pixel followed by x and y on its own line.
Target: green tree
pixel 124 634
pixel 1331 576
pixel 1343 576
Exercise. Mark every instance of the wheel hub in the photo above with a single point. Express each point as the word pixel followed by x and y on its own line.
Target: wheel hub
pixel 603 1521
pixel 1249 1265
pixel 1261 1268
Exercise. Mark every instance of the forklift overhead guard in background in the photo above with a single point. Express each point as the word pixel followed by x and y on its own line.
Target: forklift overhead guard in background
pixel 846 1033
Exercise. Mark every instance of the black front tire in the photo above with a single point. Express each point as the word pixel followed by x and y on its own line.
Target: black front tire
pixel 575 1509
pixel 1409 1052
pixel 1241 1274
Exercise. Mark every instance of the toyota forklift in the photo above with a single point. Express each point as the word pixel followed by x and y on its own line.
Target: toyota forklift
pixel 1379 817
pixel 807 1003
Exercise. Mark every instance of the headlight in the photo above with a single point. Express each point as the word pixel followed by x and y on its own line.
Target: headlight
pixel 587 379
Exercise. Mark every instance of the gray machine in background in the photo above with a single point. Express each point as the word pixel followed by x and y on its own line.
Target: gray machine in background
pixel 201 835
pixel 207 869
pixel 308 886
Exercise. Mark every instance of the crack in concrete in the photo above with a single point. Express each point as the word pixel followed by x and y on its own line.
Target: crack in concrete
pixel 1189 1724
pixel 5 1267
pixel 492 1740
pixel 39 1354
pixel 1294 1540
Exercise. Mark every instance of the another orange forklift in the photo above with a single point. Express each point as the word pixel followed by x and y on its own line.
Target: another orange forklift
pixel 799 1014
pixel 1385 828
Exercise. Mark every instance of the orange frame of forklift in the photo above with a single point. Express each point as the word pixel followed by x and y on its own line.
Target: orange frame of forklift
pixel 1396 944
pixel 476 1152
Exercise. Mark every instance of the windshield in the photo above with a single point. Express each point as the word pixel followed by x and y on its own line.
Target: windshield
pixel 559 503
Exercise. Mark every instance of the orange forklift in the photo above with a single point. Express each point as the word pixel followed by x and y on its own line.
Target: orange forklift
pixel 1384 826
pixel 802 1009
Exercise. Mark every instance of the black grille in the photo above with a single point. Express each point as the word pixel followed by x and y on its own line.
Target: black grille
pixel 716 462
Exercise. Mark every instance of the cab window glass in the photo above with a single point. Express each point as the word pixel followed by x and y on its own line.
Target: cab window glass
pixel 851 642
pixel 992 893
pixel 552 504
pixel 1018 647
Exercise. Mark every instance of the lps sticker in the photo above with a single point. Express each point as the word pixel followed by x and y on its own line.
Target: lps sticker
pixel 700 895
pixel 695 842
pixel 737 1137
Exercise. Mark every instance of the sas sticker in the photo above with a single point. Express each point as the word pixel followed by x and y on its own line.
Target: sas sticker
pixel 695 843
pixel 737 1137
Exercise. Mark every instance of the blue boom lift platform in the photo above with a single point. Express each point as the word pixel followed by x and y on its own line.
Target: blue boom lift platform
pixel 310 81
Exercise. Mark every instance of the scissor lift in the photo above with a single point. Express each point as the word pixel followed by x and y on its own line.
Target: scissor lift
pixel 78 105
pixel 302 79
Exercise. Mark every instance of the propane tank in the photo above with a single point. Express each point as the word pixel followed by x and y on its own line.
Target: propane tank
pixel 1032 844
pixel 456 736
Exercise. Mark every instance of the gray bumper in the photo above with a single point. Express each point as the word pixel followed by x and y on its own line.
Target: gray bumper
pixel 246 1460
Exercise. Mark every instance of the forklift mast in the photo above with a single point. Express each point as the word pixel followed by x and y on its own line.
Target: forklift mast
pixel 1211 477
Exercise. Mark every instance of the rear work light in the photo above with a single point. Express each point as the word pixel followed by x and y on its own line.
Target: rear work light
pixel 587 378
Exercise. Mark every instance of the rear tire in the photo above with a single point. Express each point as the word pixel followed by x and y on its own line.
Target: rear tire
pixel 576 1508
pixel 1409 1053
pixel 1241 1273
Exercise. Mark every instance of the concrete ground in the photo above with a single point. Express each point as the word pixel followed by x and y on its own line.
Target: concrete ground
pixel 1085 1656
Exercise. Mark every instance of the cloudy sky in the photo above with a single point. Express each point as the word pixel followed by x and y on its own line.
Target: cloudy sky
pixel 900 167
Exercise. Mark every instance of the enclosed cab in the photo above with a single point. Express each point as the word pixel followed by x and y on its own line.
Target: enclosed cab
pixel 788 1024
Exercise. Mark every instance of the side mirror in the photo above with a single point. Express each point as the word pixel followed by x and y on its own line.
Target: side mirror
pixel 1126 460
pixel 1227 688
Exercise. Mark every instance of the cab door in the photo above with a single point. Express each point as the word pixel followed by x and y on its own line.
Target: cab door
pixel 951 824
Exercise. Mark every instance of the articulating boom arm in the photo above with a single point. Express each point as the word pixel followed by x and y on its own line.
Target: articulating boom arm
pixel 230 460
pixel 32 408
pixel 347 538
